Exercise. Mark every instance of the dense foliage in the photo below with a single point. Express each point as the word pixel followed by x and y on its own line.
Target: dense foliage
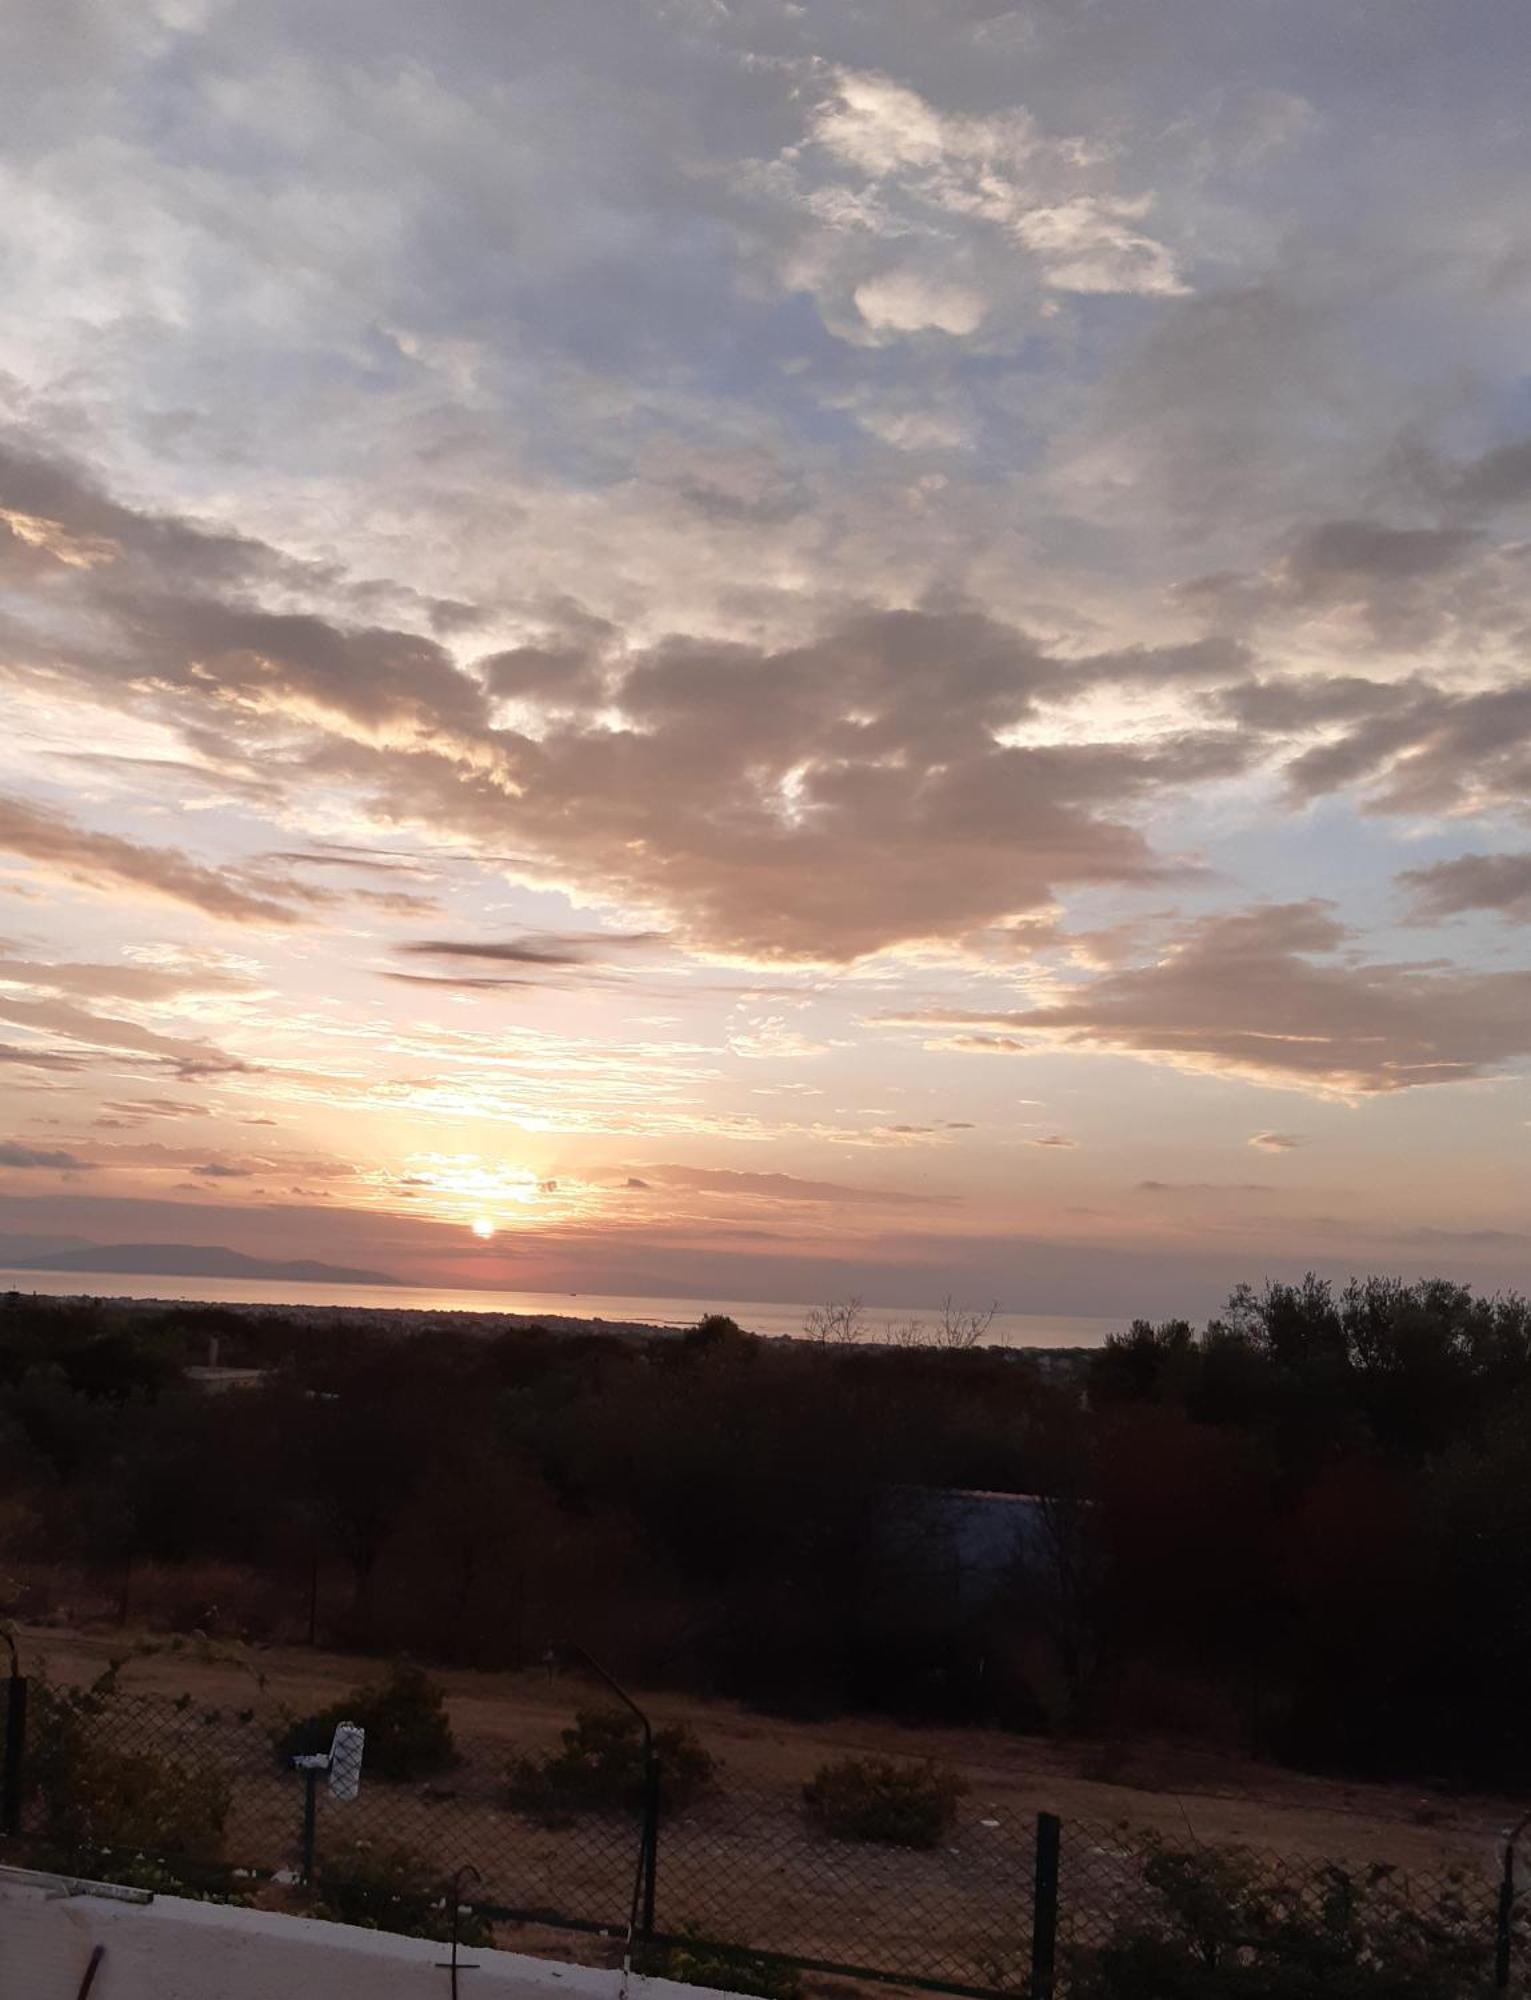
pixel 119 1810
pixel 391 1888
pixel 1219 1926
pixel 409 1734
pixel 1304 1528
pixel 875 1799
pixel 600 1764
pixel 694 1961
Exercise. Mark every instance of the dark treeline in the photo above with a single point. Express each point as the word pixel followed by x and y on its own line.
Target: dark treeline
pixel 1304 1530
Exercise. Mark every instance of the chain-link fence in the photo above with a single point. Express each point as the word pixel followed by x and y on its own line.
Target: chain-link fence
pixel 178 1793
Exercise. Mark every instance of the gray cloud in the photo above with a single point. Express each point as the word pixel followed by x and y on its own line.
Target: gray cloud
pixel 120 982
pixel 40 1157
pixel 99 1032
pixel 550 948
pixel 1275 994
pixel 158 1107
pixel 1497 882
pixel 45 1059
pixel 1347 558
pixel 781 1187
pixel 818 800
pixel 103 860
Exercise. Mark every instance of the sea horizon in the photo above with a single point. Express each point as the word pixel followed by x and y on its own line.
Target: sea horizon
pixel 773 1319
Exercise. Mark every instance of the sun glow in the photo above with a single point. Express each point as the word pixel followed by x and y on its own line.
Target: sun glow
pixel 483 1228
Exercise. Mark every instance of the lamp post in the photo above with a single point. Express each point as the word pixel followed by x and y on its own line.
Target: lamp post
pixel 1506 1905
pixel 15 1738
pixel 641 1915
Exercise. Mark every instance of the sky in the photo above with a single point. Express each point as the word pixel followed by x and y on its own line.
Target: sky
pixel 772 648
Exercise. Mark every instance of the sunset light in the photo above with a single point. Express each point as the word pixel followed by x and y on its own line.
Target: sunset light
pixel 765 903
pixel 879 708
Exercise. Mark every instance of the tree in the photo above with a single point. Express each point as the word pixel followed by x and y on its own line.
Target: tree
pixel 840 1322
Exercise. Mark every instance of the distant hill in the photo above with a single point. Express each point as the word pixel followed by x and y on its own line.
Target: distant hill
pixel 186 1260
pixel 20 1251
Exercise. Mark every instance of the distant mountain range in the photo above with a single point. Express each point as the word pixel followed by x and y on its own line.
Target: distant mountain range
pixel 173 1260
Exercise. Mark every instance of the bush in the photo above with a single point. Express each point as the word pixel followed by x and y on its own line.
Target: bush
pixel 1218 1929
pixel 101 1804
pixel 872 1798
pixel 408 1731
pixel 391 1888
pixel 600 1767
pixel 694 1962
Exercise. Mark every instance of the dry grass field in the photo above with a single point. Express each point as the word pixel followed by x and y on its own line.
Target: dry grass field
pixel 1177 1791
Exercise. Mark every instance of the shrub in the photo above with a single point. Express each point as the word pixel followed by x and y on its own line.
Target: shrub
pixel 408 1732
pixel 1218 1928
pixel 102 1803
pixel 391 1888
pixel 694 1962
pixel 600 1767
pixel 872 1798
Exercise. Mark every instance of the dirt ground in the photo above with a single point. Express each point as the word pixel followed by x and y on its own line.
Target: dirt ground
pixel 1161 1787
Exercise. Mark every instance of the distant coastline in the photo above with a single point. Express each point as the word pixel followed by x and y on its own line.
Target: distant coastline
pixel 401 1309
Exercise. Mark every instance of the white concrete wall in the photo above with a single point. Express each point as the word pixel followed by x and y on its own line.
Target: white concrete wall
pixel 169 1949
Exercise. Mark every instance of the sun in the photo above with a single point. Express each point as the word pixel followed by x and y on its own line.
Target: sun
pixel 483 1229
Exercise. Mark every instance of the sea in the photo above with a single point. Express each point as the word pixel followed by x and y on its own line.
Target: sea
pixel 775 1319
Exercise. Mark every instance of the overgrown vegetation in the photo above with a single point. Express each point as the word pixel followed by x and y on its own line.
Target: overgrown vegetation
pixel 389 1887
pixel 409 1734
pixel 599 1765
pixel 103 1807
pixel 693 1961
pixel 876 1799
pixel 1219 1928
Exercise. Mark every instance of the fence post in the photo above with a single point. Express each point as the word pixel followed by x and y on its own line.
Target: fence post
pixel 1502 1921
pixel 310 1816
pixel 15 1749
pixel 1044 1908
pixel 650 1842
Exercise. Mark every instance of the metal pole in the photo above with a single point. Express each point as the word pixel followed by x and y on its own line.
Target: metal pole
pixel 310 1816
pixel 1044 1908
pixel 15 1745
pixel 650 1842
pixel 455 1964
pixel 1506 1909
pixel 642 1906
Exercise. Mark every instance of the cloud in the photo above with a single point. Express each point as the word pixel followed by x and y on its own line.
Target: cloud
pixel 137 982
pixel 1053 1139
pixel 908 302
pixel 29 1157
pixel 1497 882
pixel 1276 1142
pixel 824 800
pixel 903 217
pixel 1275 994
pixel 45 1059
pixel 111 1032
pixel 53 841
pixel 551 948
pixel 1411 746
pixel 157 1107
pixel 781 1187
pixel 1341 558
pixel 819 800
pixel 1205 1187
